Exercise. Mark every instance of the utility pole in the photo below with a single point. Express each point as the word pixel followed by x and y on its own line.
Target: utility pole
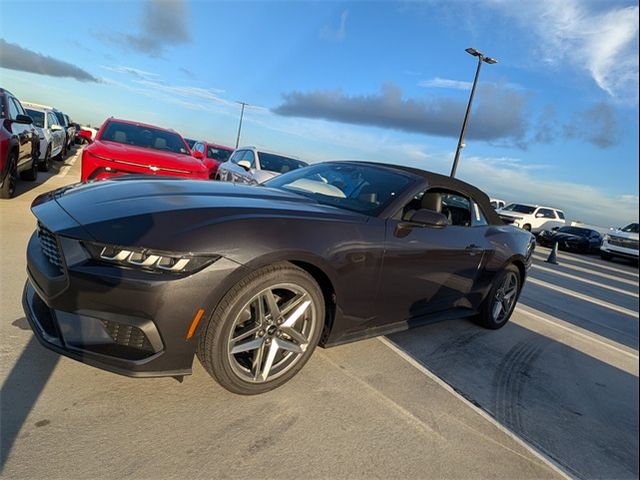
pixel 481 58
pixel 240 124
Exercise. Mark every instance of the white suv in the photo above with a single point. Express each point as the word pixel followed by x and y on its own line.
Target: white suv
pixel 533 218
pixel 51 133
pixel 253 166
pixel 622 242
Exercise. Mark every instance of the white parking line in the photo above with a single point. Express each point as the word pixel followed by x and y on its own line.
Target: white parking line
pixel 577 331
pixel 573 258
pixel 413 362
pixel 65 170
pixel 586 298
pixel 626 281
pixel 584 280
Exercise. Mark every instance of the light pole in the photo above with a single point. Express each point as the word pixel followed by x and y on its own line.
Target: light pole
pixel 240 124
pixel 481 58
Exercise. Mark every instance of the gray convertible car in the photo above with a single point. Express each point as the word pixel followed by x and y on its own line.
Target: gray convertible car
pixel 139 275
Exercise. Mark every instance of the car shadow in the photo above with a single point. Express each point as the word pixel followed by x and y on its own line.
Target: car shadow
pixel 25 186
pixel 21 390
pixel 578 410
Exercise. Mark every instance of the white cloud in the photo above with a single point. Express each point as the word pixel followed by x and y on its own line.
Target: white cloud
pixel 605 43
pixel 336 35
pixel 445 83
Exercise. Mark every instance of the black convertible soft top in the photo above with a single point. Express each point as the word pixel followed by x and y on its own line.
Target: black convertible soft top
pixel 435 180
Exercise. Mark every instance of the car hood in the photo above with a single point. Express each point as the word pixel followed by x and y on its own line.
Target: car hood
pixel 621 234
pixel 131 210
pixel 145 156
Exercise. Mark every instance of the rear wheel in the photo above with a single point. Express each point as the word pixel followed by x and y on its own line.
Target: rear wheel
pixel 264 330
pixel 9 185
pixel 501 302
pixel 527 227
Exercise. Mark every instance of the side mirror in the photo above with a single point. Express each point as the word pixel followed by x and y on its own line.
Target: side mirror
pixel 539 215
pixel 245 164
pixel 26 119
pixel 84 134
pixel 198 154
pixel 429 218
pixel 55 127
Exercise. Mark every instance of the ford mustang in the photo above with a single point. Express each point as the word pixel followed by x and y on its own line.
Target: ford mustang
pixel 137 275
pixel 122 147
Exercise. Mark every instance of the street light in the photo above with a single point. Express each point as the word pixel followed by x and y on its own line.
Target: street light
pixel 481 58
pixel 240 124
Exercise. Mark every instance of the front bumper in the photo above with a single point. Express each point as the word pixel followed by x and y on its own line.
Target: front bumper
pixel 125 321
pixel 619 250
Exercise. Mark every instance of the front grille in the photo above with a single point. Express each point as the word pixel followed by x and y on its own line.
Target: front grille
pixel 127 335
pixel 49 246
pixel 623 242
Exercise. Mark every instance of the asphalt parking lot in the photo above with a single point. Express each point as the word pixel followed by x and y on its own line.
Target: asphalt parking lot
pixel 553 393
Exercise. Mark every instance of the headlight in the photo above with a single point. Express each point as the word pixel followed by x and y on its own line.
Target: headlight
pixel 607 237
pixel 147 259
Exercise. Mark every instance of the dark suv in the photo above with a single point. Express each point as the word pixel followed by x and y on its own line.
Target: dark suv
pixel 19 144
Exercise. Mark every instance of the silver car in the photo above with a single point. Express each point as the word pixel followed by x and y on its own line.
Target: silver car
pixel 251 165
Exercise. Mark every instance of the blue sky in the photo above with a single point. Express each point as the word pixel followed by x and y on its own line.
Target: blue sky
pixel 555 121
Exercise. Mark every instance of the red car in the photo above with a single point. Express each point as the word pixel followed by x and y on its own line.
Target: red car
pixel 212 153
pixel 123 147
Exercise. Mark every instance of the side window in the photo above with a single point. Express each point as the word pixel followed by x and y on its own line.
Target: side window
pixel 560 214
pixel 545 213
pixel 13 110
pixel 198 147
pixel 250 157
pixel 18 106
pixel 457 209
pixel 53 120
pixel 237 156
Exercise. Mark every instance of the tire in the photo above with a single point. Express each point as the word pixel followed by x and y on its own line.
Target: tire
pixel 9 185
pixel 509 283
pixel 31 174
pixel 45 165
pixel 63 153
pixel 269 352
pixel 526 227
pixel 605 255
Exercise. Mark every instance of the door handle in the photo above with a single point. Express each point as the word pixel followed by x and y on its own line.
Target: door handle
pixel 473 249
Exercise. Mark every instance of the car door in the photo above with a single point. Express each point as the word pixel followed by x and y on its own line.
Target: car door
pixel 427 270
pixel 21 130
pixel 224 170
pixel 546 219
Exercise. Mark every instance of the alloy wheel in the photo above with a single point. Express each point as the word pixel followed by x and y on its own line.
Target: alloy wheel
pixel 271 333
pixel 505 297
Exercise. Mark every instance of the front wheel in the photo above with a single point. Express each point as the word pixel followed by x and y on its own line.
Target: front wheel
pixel 9 185
pixel 264 330
pixel 501 302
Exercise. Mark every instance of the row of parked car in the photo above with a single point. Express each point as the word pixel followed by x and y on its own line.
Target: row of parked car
pixel 549 226
pixel 31 136
pixel 123 147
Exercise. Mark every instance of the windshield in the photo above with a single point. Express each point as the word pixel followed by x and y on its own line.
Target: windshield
pixel 360 188
pixel 61 119
pixel 144 136
pixel 38 117
pixel 583 232
pixel 518 208
pixel 631 228
pixel 219 154
pixel 278 163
